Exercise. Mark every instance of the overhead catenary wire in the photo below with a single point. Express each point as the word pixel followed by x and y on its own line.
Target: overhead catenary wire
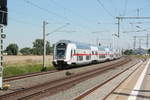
pixel 52 1
pixel 71 11
pixel 64 17
pixel 101 4
pixel 55 3
pixel 148 1
pixel 44 9
pixel 115 7
pixel 22 15
pixel 25 23
pixel 135 10
pixel 58 29
pixel 21 22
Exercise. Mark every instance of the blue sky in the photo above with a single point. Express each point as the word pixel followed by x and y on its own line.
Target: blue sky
pixel 89 20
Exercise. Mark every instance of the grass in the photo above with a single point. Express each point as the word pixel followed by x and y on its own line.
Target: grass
pixel 142 56
pixel 20 69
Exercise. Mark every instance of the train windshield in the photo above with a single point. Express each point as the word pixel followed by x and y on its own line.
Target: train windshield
pixel 60 50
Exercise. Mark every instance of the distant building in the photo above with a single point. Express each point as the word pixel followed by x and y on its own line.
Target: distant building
pixel 140 51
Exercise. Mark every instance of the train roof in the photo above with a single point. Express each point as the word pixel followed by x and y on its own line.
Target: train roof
pixel 79 45
pixel 101 48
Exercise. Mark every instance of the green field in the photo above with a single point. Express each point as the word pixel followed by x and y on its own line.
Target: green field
pixel 20 69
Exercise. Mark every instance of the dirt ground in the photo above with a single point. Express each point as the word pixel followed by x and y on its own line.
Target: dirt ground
pixel 26 59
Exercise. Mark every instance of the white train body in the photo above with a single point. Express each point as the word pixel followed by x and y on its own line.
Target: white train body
pixel 68 53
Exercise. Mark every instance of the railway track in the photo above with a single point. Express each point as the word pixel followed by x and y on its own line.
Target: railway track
pixel 58 85
pixel 7 79
pixel 105 82
pixel 27 75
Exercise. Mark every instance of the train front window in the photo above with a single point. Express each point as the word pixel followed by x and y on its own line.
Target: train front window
pixel 60 50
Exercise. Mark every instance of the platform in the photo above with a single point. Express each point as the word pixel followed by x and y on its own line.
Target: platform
pixel 136 87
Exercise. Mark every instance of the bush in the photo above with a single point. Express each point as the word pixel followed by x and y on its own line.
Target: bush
pixel 26 51
pixel 128 52
pixel 12 49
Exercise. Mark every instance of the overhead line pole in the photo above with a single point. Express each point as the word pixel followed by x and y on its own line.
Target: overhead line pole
pixel 147 40
pixel 118 27
pixel 134 44
pixel 138 12
pixel 44 40
pixel 140 42
pixel 132 17
pixel 44 44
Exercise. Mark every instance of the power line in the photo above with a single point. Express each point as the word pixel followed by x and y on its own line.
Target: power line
pixel 70 10
pixel 148 1
pixel 46 10
pixel 135 10
pixel 74 12
pixel 25 23
pixel 21 22
pixel 54 2
pixel 25 16
pixel 58 28
pixel 101 4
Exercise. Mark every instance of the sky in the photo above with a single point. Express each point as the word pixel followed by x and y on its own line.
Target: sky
pixel 89 21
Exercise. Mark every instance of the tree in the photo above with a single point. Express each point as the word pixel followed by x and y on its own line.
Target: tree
pixel 12 49
pixel 49 49
pixel 128 52
pixel 26 51
pixel 148 51
pixel 38 47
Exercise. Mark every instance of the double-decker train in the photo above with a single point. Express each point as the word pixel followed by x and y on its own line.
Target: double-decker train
pixel 69 53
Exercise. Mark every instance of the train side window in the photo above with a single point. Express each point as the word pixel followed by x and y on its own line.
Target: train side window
pixel 80 58
pixel 87 57
pixel 92 52
pixel 101 56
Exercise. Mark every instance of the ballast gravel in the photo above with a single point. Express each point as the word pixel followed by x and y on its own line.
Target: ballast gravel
pixel 80 88
pixel 16 85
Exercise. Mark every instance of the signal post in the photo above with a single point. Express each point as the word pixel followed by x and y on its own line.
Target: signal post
pixel 3 23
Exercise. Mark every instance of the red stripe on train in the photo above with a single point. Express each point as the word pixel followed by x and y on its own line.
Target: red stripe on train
pixel 90 54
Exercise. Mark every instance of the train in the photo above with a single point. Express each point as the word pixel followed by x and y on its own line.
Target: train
pixel 70 53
